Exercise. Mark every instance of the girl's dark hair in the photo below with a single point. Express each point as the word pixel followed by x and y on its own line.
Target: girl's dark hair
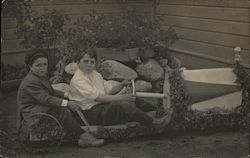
pixel 30 57
pixel 91 52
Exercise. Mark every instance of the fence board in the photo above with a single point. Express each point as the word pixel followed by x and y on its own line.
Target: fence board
pixel 224 53
pixel 145 8
pixel 214 37
pixel 7 23
pixel 84 8
pixel 9 34
pixel 233 14
pixel 13 59
pixel 211 3
pixel 69 2
pixel 97 7
pixel 8 45
pixel 207 24
pixel 196 62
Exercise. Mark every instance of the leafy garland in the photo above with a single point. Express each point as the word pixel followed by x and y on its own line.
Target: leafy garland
pixel 215 119
pixel 179 100
pixel 243 78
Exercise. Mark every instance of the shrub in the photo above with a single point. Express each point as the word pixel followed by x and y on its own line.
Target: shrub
pixel 123 32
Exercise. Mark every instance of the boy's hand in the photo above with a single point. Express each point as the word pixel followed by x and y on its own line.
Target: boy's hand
pixel 74 105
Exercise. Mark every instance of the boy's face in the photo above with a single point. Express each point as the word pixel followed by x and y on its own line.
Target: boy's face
pixel 87 64
pixel 39 66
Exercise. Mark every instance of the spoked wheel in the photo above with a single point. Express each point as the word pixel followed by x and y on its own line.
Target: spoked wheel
pixel 46 131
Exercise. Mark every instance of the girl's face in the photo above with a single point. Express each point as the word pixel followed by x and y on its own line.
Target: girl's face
pixel 87 64
pixel 40 67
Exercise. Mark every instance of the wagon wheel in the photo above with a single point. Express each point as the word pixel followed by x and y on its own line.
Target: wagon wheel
pixel 47 131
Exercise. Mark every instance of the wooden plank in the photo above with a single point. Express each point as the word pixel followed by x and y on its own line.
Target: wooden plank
pixel 16 51
pixel 144 8
pixel 222 39
pixel 80 9
pixel 119 7
pixel 196 62
pixel 127 55
pixel 237 28
pixel 13 59
pixel 74 18
pixel 224 53
pixel 59 2
pixel 211 3
pixel 8 23
pixel 232 14
pixel 85 8
pixel 8 45
pixel 11 84
pixel 9 34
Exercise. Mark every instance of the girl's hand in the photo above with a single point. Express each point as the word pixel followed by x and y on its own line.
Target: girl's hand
pixel 128 98
pixel 125 82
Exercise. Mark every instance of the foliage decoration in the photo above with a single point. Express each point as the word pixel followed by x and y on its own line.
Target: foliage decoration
pixel 12 72
pixel 39 30
pixel 17 9
pixel 179 99
pixel 243 78
pixel 43 30
pixel 214 119
pixel 123 32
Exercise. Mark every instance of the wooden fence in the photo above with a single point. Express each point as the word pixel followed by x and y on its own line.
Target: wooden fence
pixel 209 29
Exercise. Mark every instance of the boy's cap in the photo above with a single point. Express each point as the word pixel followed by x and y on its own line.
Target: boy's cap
pixel 30 57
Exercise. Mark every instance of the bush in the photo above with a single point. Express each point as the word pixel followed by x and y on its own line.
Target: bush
pixel 42 30
pixel 12 72
pixel 125 31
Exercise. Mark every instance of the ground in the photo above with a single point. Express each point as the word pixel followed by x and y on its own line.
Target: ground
pixel 224 144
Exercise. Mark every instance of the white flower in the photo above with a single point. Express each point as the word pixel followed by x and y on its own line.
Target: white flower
pixel 183 69
pixel 71 68
pixel 237 49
